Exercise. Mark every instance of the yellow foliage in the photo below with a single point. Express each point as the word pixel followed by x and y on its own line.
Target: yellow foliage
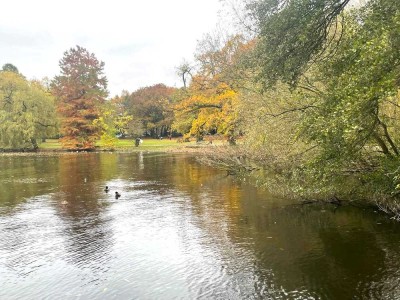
pixel 210 112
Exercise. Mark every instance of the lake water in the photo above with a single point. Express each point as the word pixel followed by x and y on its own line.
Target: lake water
pixel 180 230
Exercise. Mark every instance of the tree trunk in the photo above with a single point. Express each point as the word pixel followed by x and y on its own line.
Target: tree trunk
pixel 34 144
pixel 389 139
pixel 381 143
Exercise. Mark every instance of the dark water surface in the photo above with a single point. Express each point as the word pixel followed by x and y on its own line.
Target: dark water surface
pixel 179 231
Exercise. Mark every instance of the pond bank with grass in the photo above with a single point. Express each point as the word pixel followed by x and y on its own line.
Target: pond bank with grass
pixel 162 145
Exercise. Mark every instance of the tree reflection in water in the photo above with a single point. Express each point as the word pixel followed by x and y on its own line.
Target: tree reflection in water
pixel 179 230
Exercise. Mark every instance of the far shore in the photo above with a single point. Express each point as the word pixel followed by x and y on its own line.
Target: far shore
pixel 174 145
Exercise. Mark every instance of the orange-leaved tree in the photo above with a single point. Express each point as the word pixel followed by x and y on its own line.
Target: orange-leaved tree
pixel 81 88
pixel 210 104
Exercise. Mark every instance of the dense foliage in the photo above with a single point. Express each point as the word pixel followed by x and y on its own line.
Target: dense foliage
pixel 80 89
pixel 152 106
pixel 26 112
pixel 326 98
pixel 210 103
pixel 291 34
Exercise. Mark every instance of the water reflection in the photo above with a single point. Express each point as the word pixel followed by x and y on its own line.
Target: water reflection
pixel 86 230
pixel 19 177
pixel 179 230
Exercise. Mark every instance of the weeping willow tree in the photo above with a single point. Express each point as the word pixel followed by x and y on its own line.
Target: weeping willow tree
pixel 27 112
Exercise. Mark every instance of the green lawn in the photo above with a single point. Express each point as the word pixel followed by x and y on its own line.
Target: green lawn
pixel 50 144
pixel 147 145
pixel 128 144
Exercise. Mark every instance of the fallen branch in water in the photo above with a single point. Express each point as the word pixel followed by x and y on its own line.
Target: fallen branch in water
pixel 231 159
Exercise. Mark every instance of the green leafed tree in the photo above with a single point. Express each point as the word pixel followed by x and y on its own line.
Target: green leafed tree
pixel 27 112
pixel 10 68
pixel 112 124
pixel 80 89
pixel 333 75
pixel 293 34
pixel 356 124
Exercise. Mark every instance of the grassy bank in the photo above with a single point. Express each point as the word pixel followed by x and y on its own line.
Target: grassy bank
pixel 164 145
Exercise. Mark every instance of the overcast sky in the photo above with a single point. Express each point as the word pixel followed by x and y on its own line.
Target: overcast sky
pixel 140 41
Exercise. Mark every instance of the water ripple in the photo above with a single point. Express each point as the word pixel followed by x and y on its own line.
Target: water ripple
pixel 181 231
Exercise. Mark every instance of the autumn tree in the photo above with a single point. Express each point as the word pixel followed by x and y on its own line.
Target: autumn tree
pixel 80 89
pixel 208 114
pixel 210 104
pixel 151 105
pixel 27 112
